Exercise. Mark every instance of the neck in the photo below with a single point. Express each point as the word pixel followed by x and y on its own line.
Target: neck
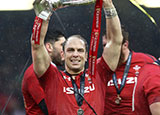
pixel 126 56
pixel 72 72
pixel 124 59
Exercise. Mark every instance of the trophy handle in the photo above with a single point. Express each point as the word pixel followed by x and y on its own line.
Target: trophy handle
pixel 43 8
pixel 78 2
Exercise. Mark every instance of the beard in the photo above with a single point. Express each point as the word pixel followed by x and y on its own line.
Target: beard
pixel 56 59
pixel 121 59
pixel 73 69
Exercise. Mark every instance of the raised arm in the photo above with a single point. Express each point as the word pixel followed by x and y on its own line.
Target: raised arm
pixel 112 50
pixel 40 56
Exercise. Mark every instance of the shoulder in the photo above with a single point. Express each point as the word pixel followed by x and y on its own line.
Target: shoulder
pixel 150 71
pixel 28 77
pixel 148 79
pixel 143 56
pixel 151 68
pixel 51 71
pixel 29 72
pixel 102 65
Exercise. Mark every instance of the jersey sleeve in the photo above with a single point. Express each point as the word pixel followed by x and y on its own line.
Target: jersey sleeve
pixel 35 89
pixel 103 69
pixel 149 58
pixel 52 69
pixel 102 65
pixel 152 87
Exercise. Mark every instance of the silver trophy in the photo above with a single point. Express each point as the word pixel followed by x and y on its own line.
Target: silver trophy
pixel 77 2
pixel 44 8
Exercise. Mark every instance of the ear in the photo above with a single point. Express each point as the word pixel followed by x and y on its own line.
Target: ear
pixel 126 44
pixel 62 55
pixel 49 47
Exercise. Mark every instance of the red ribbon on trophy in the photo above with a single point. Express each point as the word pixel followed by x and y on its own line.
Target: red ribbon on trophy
pixel 36 30
pixel 95 35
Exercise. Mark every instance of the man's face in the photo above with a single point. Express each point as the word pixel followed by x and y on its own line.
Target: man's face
pixel 57 49
pixel 75 55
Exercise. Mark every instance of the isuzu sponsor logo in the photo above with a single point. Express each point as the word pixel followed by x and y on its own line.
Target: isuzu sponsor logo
pixel 129 80
pixel 87 89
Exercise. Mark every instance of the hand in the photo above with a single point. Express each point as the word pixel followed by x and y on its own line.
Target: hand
pixel 43 9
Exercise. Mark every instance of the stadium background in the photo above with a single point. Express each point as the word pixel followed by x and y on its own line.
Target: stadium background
pixel 16 28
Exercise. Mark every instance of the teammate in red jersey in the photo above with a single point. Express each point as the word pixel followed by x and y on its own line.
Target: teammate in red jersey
pixel 147 93
pixel 33 93
pixel 121 83
pixel 65 90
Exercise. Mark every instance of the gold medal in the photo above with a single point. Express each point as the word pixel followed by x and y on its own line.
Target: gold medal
pixel 80 111
pixel 118 100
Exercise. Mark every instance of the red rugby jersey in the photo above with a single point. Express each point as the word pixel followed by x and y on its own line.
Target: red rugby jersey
pixel 60 96
pixel 147 89
pixel 125 107
pixel 32 92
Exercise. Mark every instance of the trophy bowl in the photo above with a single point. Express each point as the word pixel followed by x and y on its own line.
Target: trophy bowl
pixel 44 8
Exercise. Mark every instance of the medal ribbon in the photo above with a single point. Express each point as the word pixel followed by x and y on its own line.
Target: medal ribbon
pixel 96 26
pixel 124 75
pixel 78 94
pixel 79 98
pixel 36 30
